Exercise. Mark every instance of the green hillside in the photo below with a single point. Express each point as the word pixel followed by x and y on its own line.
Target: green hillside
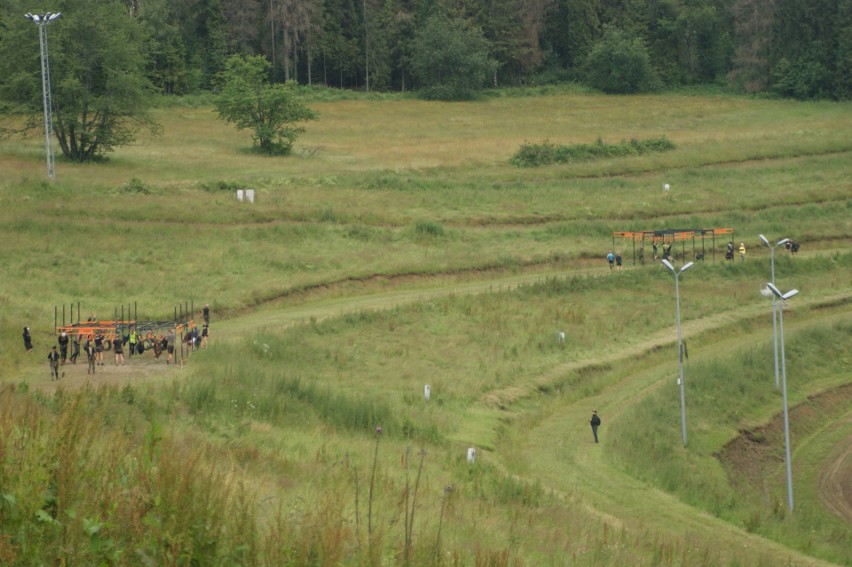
pixel 398 247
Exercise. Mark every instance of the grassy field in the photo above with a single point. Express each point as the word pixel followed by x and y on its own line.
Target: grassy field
pixel 397 248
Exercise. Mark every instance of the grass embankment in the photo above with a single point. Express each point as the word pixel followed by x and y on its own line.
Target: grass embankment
pixel 261 450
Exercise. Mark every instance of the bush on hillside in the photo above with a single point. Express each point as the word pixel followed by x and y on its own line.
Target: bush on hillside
pixel 547 153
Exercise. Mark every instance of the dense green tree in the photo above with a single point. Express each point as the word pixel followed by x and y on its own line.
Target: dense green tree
pixel 206 36
pixel 619 63
pixel 97 63
pixel 450 59
pixel 805 53
pixel 167 66
pixel 250 101
pixel 572 26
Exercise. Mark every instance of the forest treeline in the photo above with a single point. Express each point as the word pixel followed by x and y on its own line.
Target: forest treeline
pixel 792 48
pixel 796 48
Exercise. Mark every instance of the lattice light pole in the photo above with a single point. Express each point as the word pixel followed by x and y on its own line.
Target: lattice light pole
pixel 42 21
pixel 676 273
pixel 783 297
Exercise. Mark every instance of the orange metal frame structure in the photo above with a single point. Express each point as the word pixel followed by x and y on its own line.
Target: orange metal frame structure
pixel 674 236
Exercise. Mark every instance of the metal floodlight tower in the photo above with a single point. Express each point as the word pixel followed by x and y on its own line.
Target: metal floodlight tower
pixel 774 309
pixel 677 274
pixel 776 293
pixel 42 22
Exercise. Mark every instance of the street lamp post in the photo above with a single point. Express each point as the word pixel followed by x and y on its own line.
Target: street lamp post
pixel 774 310
pixel 677 274
pixel 776 293
pixel 42 21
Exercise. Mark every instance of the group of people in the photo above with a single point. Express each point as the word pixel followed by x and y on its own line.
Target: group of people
pixel 94 346
pixel 614 260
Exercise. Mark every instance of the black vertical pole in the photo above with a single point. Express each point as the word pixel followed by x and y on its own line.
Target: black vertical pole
pixel 714 245
pixel 78 312
pixel 55 309
pixel 72 314
pixel 63 314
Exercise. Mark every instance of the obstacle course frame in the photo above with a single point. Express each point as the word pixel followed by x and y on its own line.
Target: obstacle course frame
pixel 120 326
pixel 672 237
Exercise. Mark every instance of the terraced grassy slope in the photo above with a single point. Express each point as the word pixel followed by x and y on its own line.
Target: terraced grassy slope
pixel 400 249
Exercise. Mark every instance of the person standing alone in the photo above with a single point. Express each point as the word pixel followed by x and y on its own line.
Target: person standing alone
pixel 53 358
pixel 595 422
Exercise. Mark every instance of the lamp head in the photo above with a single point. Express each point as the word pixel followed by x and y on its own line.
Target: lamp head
pixel 763 239
pixel 686 266
pixel 783 241
pixel 790 294
pixel 668 265
pixel 782 296
pixel 775 291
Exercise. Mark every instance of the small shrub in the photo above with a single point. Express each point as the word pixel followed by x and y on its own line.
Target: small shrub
pixel 429 228
pixel 215 186
pixel 135 187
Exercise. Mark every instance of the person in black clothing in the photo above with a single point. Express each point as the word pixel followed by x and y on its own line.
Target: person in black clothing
pixel 596 422
pixel 99 349
pixel 75 350
pixel 118 350
pixel 63 345
pixel 53 357
pixel 206 313
pixel 28 341
pixel 91 355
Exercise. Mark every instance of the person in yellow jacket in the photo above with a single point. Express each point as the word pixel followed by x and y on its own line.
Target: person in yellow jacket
pixel 742 252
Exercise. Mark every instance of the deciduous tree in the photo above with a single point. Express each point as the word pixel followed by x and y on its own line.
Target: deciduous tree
pixel 97 69
pixel 271 111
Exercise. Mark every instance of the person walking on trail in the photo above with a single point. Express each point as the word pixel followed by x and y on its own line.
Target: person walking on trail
pixel 117 347
pixel 204 335
pixel 206 313
pixel 53 358
pixel 158 346
pixel 618 261
pixel 75 350
pixel 742 251
pixel 91 355
pixel 63 346
pixel 595 422
pixel 611 259
pixel 28 340
pixel 170 346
